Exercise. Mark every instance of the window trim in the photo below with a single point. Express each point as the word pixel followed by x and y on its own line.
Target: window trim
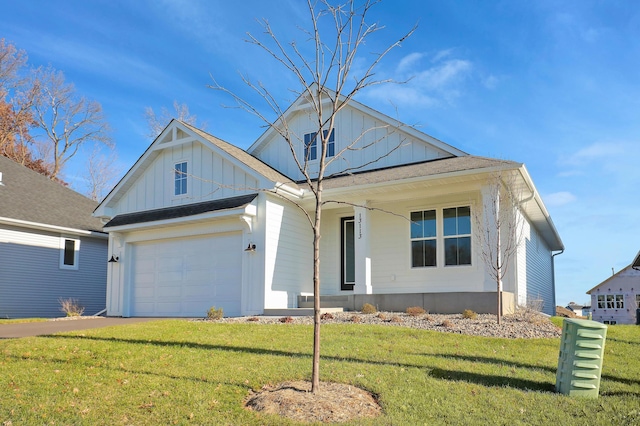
pixel 64 251
pixel 423 238
pixel 184 177
pixel 344 285
pixel 457 237
pixel 310 142
pixel 440 238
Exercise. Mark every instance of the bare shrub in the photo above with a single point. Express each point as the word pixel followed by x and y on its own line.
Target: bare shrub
pixel 428 317
pixel 531 312
pixel 356 319
pixel 368 308
pixel 215 313
pixel 253 319
pixel 286 320
pixel 415 311
pixel 71 307
pixel 469 314
pixel 396 318
pixel 382 316
pixel 326 316
pixel 447 324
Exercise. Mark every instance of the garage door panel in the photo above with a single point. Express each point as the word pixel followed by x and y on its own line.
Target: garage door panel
pixel 185 277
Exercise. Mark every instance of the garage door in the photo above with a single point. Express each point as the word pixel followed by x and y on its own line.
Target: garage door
pixel 185 277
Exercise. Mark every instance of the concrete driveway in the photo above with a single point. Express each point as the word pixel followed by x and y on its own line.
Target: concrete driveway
pixel 27 329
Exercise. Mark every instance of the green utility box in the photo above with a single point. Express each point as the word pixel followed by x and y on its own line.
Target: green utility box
pixel 580 358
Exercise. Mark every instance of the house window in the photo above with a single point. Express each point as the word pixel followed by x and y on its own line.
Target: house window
pixel 610 301
pixel 311 145
pixel 69 249
pixel 610 322
pixel 457 236
pixel 180 178
pixel 423 238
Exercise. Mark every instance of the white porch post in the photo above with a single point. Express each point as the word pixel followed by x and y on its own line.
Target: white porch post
pixel 362 251
pixel 492 242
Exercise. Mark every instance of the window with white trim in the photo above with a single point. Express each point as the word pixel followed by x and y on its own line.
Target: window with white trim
pixel 423 238
pixel 434 230
pixel 69 250
pixel 457 236
pixel 311 145
pixel 180 178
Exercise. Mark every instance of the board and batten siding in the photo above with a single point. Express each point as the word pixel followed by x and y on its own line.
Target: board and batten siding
pixel 392 146
pixel 206 169
pixel 32 282
pixel 288 254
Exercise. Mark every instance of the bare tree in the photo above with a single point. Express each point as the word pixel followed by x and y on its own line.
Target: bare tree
pixel 157 124
pixel 500 227
pixel 17 96
pixel 67 121
pixel 329 79
pixel 100 173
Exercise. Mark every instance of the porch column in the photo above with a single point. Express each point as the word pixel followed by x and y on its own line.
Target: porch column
pixel 362 251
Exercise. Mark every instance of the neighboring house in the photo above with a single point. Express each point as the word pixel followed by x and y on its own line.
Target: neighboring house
pixel 51 248
pixel 196 223
pixel 579 310
pixel 617 299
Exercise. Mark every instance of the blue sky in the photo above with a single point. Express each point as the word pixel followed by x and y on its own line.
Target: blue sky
pixel 554 85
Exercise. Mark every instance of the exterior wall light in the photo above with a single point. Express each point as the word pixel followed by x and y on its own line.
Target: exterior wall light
pixel 250 248
pixel 114 259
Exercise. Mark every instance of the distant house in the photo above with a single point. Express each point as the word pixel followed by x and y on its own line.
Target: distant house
pixel 579 310
pixel 198 222
pixel 51 247
pixel 616 299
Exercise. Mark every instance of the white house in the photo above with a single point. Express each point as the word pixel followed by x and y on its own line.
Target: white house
pixel 617 299
pixel 198 222
pixel 51 247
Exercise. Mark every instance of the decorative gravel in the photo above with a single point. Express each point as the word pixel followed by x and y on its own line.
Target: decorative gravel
pixel 523 325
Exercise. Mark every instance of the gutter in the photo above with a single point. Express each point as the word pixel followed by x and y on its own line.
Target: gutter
pixel 52 228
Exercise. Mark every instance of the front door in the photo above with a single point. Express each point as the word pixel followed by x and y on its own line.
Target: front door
pixel 348 254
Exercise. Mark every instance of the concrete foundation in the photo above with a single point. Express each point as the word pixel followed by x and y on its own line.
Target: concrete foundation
pixel 435 303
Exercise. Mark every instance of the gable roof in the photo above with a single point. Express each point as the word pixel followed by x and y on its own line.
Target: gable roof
pixel 303 101
pixel 628 271
pixel 27 196
pixel 228 150
pixel 180 211
pixel 244 157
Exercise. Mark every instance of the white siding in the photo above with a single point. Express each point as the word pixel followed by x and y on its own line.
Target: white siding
pixel 391 270
pixel 288 254
pixel 351 125
pixel 31 281
pixel 211 177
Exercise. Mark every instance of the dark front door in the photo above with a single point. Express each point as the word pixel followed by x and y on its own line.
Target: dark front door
pixel 348 254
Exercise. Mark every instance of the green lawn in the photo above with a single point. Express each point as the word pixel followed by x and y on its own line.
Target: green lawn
pixel 180 372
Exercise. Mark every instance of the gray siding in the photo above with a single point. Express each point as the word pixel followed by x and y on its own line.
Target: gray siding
pixel 539 272
pixel 31 281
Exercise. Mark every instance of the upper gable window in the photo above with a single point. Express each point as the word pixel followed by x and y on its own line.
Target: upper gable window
pixel 69 249
pixel 311 145
pixel 180 178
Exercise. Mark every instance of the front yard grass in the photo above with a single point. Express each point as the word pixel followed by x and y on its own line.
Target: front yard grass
pixel 182 372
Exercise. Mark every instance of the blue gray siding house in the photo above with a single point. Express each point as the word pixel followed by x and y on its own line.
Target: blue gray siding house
pixel 51 247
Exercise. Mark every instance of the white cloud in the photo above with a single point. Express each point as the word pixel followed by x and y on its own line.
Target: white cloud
pixel 559 198
pixel 408 62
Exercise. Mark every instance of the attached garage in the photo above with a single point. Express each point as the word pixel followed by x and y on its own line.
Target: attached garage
pixel 184 277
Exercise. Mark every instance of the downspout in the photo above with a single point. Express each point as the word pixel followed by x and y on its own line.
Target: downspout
pixel 553 276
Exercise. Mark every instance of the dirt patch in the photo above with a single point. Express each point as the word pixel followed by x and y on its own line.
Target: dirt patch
pixel 335 402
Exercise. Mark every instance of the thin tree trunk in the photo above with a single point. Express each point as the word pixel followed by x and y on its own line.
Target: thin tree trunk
pixel 315 372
